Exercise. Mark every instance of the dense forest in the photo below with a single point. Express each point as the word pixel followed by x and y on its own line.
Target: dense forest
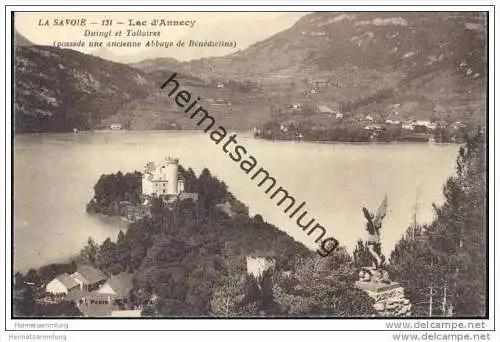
pixel 443 265
pixel 189 259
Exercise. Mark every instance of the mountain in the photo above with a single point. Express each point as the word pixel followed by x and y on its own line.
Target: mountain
pixel 407 41
pixel 431 63
pixel 155 64
pixel 20 40
pixel 105 53
pixel 420 65
pixel 61 89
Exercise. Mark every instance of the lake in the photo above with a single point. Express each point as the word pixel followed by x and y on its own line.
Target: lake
pixel 54 175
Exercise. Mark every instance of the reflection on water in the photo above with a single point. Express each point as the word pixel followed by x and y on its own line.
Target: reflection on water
pixel 54 175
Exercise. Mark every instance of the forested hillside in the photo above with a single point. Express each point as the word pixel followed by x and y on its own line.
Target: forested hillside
pixel 443 266
pixel 57 90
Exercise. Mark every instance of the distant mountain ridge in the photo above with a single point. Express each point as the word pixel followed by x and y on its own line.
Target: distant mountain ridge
pixel 395 40
pixel 426 65
pixel 155 64
pixel 433 63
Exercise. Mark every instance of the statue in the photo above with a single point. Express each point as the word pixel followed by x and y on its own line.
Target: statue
pixel 376 273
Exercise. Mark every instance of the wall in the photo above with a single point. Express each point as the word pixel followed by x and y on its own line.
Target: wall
pixel 56 287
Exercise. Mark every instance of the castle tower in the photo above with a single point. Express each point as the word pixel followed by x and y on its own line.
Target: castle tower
pixel 172 168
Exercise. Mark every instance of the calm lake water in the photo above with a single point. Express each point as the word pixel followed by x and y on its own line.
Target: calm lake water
pixel 54 175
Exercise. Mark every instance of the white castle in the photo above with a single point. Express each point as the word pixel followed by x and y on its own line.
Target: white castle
pixel 163 180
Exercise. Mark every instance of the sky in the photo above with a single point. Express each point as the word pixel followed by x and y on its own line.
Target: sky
pixel 243 28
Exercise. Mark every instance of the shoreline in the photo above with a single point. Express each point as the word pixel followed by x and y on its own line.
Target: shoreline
pixel 245 134
pixel 118 222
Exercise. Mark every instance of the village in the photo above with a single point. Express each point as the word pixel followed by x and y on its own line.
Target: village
pixel 94 294
pixel 328 122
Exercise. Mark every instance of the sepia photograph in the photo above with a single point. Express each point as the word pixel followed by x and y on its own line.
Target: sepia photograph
pixel 250 164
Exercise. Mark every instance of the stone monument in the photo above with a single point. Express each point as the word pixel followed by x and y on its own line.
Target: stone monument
pixel 374 279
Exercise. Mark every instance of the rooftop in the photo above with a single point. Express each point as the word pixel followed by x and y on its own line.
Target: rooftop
pixel 121 284
pixel 88 274
pixel 67 281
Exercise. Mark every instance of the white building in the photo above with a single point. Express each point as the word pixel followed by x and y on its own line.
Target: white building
pixel 426 123
pixel 283 128
pixel 392 122
pixel 88 277
pixel 162 180
pixel 62 284
pixel 256 266
pixel 117 287
pixel 408 126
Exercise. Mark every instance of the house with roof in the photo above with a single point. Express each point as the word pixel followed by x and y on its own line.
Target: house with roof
pixel 117 287
pixel 110 297
pixel 63 284
pixel 88 277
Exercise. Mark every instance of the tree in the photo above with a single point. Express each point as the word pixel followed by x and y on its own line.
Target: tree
pixel 25 306
pixel 227 299
pixel 181 257
pixel 49 272
pixel 451 251
pixel 112 189
pixel 107 258
pixel 122 251
pixel 362 256
pixel 459 231
pixel 89 252
pixel 18 281
pixel 415 264
pixel 323 287
pixel 190 180
pixel 32 278
pixel 210 190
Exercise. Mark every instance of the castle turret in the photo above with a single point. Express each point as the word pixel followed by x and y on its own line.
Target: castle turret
pixel 172 168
